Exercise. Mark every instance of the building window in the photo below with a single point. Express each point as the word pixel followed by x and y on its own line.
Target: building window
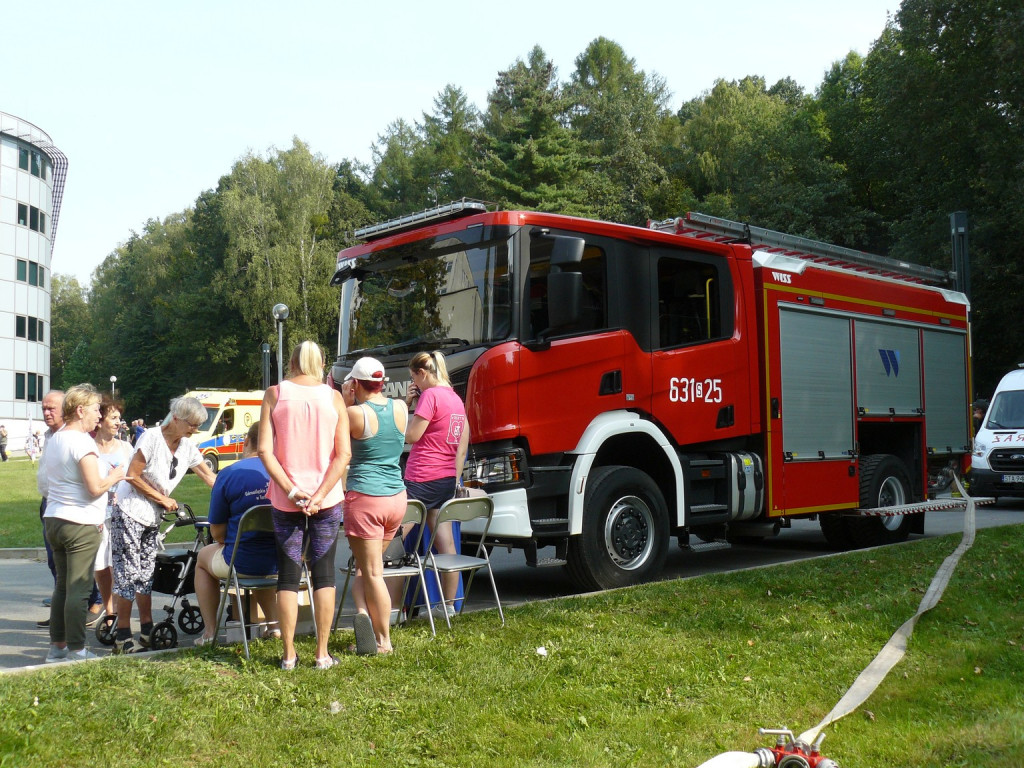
pixel 31 273
pixel 23 159
pixel 37 164
pixel 30 328
pixel 31 217
pixel 29 387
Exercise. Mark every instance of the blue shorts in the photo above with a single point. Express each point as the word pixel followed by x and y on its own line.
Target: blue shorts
pixel 433 493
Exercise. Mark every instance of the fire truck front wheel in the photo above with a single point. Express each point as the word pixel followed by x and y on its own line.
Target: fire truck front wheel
pixel 625 530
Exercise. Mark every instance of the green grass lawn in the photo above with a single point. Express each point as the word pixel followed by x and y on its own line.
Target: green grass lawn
pixel 19 505
pixel 670 673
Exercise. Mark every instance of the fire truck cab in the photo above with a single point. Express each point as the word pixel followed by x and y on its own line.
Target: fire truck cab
pixel 627 385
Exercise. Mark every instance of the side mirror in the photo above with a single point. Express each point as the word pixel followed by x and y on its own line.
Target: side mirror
pixel 565 288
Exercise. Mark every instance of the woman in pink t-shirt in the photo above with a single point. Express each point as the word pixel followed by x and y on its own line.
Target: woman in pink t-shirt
pixel 304 444
pixel 439 435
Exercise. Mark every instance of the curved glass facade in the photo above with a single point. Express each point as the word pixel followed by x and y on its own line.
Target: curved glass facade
pixel 32 172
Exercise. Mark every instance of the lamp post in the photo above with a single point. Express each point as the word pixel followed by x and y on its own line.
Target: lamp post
pixel 113 380
pixel 280 312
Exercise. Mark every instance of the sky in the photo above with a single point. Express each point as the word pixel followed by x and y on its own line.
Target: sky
pixel 153 102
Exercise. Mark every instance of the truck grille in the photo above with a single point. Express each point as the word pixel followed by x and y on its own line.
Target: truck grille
pixel 1007 460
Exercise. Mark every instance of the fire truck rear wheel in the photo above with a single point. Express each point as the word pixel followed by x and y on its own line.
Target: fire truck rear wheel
pixel 884 482
pixel 211 462
pixel 625 530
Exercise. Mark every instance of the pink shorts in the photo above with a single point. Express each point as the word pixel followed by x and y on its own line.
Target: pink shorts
pixel 374 517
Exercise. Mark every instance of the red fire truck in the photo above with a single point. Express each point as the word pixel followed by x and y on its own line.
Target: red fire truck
pixel 698 377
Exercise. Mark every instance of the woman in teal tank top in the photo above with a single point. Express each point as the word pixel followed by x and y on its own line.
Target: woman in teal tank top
pixel 375 498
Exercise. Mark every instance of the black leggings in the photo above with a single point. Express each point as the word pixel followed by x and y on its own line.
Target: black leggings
pixel 317 537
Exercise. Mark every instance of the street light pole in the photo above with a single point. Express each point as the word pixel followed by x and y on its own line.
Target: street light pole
pixel 280 312
pixel 113 380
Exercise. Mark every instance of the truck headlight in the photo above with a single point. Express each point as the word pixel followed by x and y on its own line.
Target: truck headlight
pixel 501 469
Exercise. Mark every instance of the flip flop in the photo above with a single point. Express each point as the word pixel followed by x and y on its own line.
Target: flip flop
pixel 366 640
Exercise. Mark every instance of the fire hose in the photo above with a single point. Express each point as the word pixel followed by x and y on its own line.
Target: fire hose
pixel 804 751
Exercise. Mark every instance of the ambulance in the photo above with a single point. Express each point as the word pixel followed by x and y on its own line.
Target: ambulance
pixel 229 415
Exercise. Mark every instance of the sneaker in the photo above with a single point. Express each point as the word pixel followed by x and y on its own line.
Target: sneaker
pixel 56 654
pixel 95 618
pixel 441 609
pixel 83 655
pixel 123 646
pixel 144 639
pixel 43 623
pixel 327 662
pixel 47 601
pixel 289 664
pixel 366 640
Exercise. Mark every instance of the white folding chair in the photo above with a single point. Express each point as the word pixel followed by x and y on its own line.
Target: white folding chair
pixel 415 513
pixel 463 511
pixel 258 519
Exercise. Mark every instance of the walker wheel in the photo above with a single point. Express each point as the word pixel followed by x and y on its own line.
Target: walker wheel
pixel 163 636
pixel 190 620
pixel 105 630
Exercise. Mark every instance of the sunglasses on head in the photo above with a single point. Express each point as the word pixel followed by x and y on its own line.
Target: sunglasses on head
pixel 174 467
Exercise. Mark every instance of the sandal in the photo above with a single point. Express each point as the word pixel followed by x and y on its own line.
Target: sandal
pixel 327 662
pixel 366 640
pixel 203 640
pixel 289 664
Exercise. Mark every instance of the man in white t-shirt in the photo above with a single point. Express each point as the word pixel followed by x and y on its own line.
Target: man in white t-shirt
pixel 53 401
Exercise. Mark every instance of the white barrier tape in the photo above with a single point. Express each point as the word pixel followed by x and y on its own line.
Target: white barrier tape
pixel 894 650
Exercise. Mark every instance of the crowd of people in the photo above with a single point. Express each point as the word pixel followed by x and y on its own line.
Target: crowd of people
pixel 327 461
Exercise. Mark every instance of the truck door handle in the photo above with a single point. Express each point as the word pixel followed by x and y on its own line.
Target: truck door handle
pixel 611 383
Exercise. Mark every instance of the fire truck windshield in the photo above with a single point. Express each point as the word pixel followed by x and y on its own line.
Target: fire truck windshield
pixel 436 295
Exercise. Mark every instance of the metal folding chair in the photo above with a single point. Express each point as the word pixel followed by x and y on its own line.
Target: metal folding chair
pixel 415 513
pixel 255 519
pixel 463 511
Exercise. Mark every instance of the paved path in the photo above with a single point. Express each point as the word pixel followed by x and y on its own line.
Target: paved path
pixel 26 581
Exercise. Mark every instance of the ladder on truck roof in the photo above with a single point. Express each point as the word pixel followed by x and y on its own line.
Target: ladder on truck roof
pixel 702 226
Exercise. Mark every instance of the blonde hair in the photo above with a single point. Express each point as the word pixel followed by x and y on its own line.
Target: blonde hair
pixel 307 358
pixel 433 363
pixel 80 394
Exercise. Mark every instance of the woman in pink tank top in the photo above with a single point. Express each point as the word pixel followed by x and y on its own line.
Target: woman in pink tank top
pixel 304 444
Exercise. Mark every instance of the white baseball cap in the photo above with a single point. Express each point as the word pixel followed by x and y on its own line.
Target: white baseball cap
pixel 367 369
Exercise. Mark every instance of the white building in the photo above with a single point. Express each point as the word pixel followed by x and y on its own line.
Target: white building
pixel 32 173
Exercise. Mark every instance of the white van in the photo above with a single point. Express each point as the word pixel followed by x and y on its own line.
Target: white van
pixel 997 463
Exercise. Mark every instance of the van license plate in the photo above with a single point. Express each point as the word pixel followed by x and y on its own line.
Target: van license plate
pixel 1013 478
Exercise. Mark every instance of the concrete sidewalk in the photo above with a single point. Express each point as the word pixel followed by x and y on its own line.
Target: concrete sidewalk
pixel 25 583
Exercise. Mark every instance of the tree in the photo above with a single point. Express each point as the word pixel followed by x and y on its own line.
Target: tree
pixel 530 158
pixel 70 329
pixel 618 109
pixel 449 136
pixel 761 155
pixel 276 213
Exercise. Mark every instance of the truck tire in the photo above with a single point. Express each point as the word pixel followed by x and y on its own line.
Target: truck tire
pixel 211 461
pixel 884 482
pixel 833 527
pixel 625 530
